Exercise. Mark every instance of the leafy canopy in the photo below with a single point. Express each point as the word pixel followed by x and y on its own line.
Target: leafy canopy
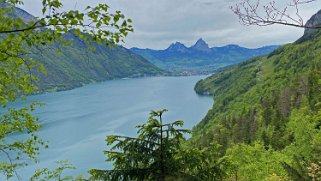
pixel 17 36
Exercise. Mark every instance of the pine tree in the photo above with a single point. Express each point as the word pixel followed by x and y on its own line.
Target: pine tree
pixel 158 153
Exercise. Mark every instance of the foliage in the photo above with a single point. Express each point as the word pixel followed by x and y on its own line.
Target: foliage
pixel 273 100
pixel 254 162
pixel 18 36
pixel 17 121
pixel 158 154
pixel 275 177
pixel 56 174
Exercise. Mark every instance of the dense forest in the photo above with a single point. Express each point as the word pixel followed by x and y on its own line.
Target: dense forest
pixel 267 114
pixel 72 66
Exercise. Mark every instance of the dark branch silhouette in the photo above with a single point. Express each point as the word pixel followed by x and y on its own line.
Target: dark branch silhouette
pixel 253 12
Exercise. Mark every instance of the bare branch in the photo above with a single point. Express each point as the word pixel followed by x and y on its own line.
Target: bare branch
pixel 253 12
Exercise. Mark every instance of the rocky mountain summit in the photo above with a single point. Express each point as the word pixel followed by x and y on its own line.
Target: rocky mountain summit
pixel 200 57
pixel 201 45
pixel 179 47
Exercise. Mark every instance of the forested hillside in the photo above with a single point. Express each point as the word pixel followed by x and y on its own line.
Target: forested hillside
pixel 267 113
pixel 75 65
pixel 72 66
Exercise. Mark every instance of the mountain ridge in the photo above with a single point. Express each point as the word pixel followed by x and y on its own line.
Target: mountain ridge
pixel 76 65
pixel 180 44
pixel 200 58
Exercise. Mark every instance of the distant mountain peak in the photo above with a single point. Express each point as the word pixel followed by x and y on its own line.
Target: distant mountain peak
pixel 201 45
pixel 200 40
pixel 177 46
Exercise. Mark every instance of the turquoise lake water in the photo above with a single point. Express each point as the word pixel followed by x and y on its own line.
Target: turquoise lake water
pixel 76 122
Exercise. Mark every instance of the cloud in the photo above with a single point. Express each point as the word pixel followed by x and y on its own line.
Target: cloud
pixel 158 23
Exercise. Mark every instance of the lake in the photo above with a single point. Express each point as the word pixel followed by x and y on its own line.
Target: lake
pixel 76 122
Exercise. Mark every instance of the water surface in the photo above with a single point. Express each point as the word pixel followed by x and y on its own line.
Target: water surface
pixel 76 122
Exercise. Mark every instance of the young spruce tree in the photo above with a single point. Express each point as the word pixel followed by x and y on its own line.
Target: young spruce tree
pixel 158 154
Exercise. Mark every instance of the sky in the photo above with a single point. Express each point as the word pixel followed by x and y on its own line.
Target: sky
pixel 158 23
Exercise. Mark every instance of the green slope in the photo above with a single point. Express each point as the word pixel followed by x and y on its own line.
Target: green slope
pixel 272 101
pixel 263 89
pixel 72 66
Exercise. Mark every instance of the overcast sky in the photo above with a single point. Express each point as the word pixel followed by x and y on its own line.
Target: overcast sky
pixel 158 23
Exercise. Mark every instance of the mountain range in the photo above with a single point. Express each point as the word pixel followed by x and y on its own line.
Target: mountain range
pixel 73 66
pixel 200 57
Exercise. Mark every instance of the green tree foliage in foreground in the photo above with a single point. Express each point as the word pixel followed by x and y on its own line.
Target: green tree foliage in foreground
pixel 158 153
pixel 17 37
pixel 46 174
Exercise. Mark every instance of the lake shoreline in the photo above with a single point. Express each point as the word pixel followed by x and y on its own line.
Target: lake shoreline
pixel 71 87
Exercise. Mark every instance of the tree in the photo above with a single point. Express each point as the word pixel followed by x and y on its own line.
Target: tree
pixel 56 174
pixel 17 37
pixel 158 153
pixel 252 12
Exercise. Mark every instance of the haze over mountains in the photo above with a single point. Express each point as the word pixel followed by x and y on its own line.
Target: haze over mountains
pixel 200 58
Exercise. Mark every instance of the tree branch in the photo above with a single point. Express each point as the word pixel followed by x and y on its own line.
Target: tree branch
pixel 252 12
